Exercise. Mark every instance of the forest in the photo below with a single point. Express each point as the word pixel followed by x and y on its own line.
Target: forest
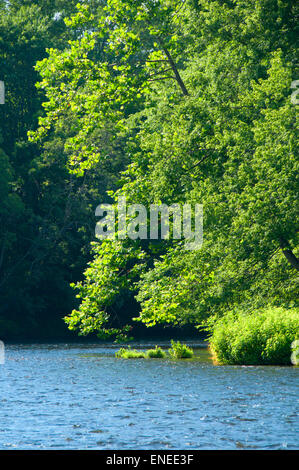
pixel 160 102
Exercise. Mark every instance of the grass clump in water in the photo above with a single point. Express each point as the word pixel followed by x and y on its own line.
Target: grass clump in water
pixel 180 351
pixel 261 337
pixel 177 351
pixel 155 353
pixel 130 354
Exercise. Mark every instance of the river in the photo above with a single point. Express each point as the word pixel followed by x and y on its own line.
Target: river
pixel 79 396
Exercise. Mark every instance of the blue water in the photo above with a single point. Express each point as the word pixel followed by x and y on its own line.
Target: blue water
pixel 81 397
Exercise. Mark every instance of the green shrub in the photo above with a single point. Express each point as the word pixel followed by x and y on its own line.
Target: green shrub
pixel 130 354
pixel 155 353
pixel 180 351
pixel 261 337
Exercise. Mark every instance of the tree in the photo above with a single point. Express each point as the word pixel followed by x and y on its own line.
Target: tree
pixel 216 126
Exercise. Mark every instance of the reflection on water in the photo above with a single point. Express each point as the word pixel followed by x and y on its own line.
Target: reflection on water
pixel 81 397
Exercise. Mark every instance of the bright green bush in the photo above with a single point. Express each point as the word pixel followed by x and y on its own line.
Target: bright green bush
pixel 130 354
pixel 180 351
pixel 261 337
pixel 155 353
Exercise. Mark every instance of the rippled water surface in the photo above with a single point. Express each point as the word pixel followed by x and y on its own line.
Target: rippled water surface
pixel 81 397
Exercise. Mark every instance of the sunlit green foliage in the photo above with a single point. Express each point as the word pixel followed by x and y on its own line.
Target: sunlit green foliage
pixel 196 98
pixel 177 351
pixel 180 351
pixel 261 337
pixel 112 273
pixel 130 354
pixel 156 353
pixel 102 89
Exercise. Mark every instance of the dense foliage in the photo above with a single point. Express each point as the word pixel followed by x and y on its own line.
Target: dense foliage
pixel 46 214
pixel 161 102
pixel 263 337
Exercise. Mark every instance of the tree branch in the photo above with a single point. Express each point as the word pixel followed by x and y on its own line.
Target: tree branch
pixel 174 67
pixel 160 78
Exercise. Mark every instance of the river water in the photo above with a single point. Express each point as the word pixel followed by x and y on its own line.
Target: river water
pixel 79 396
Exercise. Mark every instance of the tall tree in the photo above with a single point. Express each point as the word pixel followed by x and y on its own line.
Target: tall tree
pixel 200 93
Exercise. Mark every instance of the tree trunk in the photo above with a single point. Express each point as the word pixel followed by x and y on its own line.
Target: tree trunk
pixel 292 259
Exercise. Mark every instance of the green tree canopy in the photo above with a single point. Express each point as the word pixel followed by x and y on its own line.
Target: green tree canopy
pixel 197 93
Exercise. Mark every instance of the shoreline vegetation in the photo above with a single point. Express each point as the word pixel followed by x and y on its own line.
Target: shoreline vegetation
pixel 177 351
pixel 266 337
pixel 133 105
